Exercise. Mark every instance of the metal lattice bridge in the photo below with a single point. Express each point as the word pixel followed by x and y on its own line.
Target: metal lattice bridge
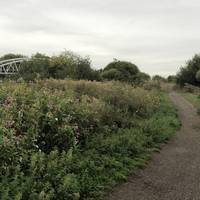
pixel 11 66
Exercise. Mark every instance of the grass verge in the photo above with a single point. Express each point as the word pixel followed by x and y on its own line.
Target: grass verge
pixel 194 99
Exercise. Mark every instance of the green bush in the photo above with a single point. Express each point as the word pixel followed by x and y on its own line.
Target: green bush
pixel 35 68
pixel 125 72
pixel 187 74
pixel 158 78
pixel 172 79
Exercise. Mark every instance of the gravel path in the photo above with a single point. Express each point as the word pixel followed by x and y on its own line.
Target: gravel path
pixel 174 173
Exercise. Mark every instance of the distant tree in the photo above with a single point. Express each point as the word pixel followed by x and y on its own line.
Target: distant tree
pixel 35 68
pixel 71 65
pixel 112 74
pixel 121 71
pixel 65 65
pixel 95 75
pixel 188 73
pixel 142 77
pixel 171 78
pixel 158 78
pixel 11 56
pixel 83 68
pixel 198 76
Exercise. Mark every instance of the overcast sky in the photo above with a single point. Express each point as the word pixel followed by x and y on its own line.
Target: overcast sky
pixel 157 35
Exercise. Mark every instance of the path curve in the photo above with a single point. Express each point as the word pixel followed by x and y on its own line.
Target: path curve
pixel 174 173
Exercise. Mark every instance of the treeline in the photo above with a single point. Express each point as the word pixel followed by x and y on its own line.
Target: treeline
pixel 68 65
pixel 65 65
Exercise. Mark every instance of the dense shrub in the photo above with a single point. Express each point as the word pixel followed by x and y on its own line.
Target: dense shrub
pixel 70 65
pixel 62 66
pixel 158 78
pixel 35 68
pixel 73 139
pixel 152 85
pixel 171 79
pixel 188 73
pixel 124 71
pixel 142 78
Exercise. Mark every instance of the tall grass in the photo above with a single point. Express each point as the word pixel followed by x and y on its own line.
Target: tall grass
pixel 75 139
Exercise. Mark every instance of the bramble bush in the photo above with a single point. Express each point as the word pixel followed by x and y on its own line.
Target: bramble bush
pixel 64 139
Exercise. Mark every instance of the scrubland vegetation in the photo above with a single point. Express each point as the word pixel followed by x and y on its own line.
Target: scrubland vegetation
pixel 65 139
pixel 70 132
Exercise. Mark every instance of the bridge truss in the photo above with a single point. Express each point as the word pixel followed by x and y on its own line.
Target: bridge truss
pixel 11 66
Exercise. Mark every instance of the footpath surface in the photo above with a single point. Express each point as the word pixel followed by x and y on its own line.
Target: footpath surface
pixel 174 173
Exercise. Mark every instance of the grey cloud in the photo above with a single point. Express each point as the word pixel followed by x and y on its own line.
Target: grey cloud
pixel 157 35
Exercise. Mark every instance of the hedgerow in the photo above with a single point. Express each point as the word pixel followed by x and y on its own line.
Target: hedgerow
pixel 62 139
